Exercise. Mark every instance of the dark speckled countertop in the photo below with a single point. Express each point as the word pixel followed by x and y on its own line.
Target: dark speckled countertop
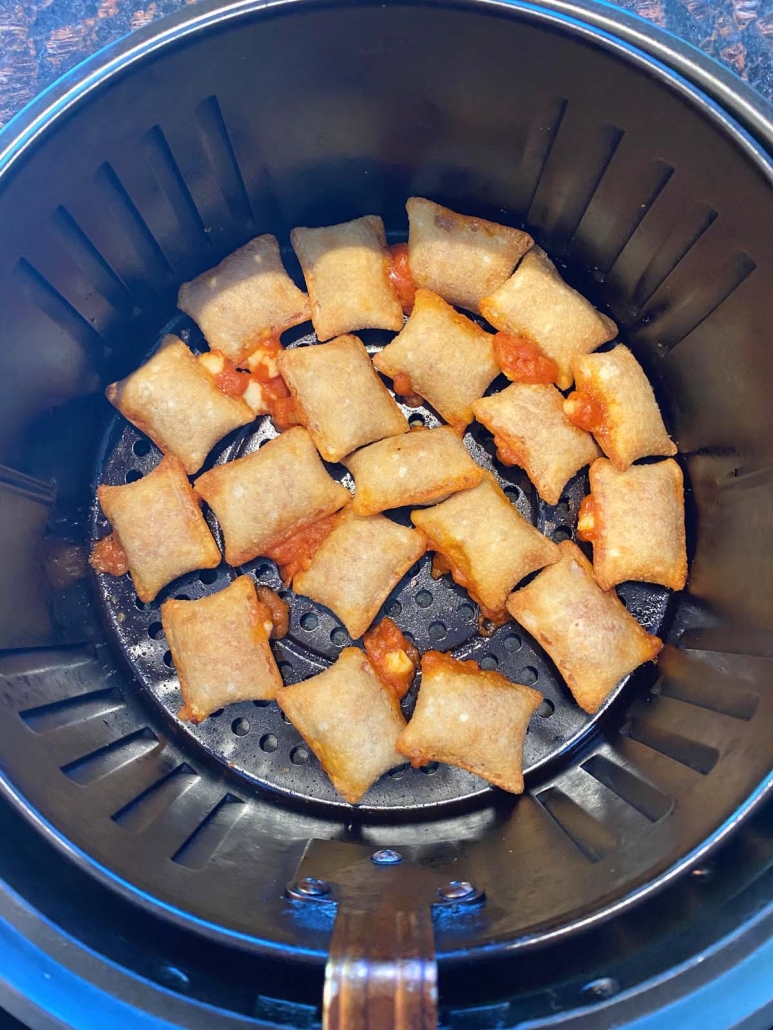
pixel 42 39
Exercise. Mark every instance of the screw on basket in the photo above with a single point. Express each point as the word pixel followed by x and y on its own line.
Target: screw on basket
pixel 458 892
pixel 310 889
pixel 386 856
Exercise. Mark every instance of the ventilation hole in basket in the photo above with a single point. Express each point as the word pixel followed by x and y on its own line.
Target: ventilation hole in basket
pixel 141 448
pixel 181 597
pixel 287 672
pixel 546 709
pixel 484 435
pixel 466 611
pixel 207 576
pixel 424 599
pixel 513 494
pixel 309 621
pixel 339 637
pixel 562 511
pixel 217 714
pixel 268 743
pixel 414 570
pixel 409 636
pixel 393 609
pixel 528 675
pixel 285 718
pixel 286 595
pixel 399 772
pixel 241 727
pixel 155 631
pixel 566 502
pixel 623 601
pixel 299 755
pixel 512 642
pixel 488 662
pixel 143 607
pixel 415 421
pixel 429 769
pixel 437 630
pixel 562 533
pixel 264 571
pixel 133 475
pixel 168 659
pixel 261 704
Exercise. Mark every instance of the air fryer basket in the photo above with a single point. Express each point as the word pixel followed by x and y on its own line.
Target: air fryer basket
pixel 656 205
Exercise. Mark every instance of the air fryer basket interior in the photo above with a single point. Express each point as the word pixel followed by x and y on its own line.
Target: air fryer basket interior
pixel 657 207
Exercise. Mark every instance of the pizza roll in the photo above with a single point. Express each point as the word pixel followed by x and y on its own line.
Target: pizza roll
pixel 357 565
pixel 531 431
pixel 587 631
pixel 340 397
pixel 470 718
pixel 159 526
pixel 421 467
pixel 267 496
pixel 346 268
pixel 487 544
pixel 615 402
pixel 536 302
pixel 350 720
pixel 246 298
pixel 635 521
pixel 459 257
pixel 220 649
pixel 176 402
pixel 441 356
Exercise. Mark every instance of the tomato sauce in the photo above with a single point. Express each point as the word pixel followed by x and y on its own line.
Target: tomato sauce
pixel 586 520
pixel 295 554
pixel 522 361
pixel 583 411
pixel 230 380
pixel 404 388
pixel 400 276
pixel 506 453
pixel 278 610
pixel 394 658
pixel 109 557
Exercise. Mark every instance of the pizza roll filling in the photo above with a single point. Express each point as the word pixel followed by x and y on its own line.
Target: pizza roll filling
pixel 220 649
pixel 615 401
pixel 470 718
pixel 247 297
pixel 350 720
pixel 340 397
pixel 400 276
pixel 587 631
pixel 392 655
pixel 461 258
pixel 294 554
pixel 159 532
pixel 265 497
pixel 522 361
pixel 535 302
pixel 531 430
pixel 421 467
pixel 346 268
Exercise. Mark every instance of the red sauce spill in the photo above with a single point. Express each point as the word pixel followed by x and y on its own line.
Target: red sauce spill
pixel 404 387
pixel 388 639
pixel 109 557
pixel 278 610
pixel 262 369
pixel 230 380
pixel 584 412
pixel 400 276
pixel 294 554
pixel 522 361
pixel 506 452
pixel 587 513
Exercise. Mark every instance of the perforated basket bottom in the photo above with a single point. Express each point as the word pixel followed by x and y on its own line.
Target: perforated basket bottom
pixel 254 739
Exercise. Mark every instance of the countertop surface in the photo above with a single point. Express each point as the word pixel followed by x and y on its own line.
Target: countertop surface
pixel 42 39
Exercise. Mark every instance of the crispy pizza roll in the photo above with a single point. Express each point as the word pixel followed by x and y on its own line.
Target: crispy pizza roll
pixel 614 401
pixel 267 496
pixel 159 527
pixel 488 546
pixel 470 718
pixel 587 631
pixel 357 565
pixel 531 431
pixel 635 521
pixel 246 298
pixel 421 467
pixel 459 257
pixel 176 402
pixel 220 649
pixel 350 720
pixel 340 397
pixel 346 268
pixel 536 302
pixel 441 356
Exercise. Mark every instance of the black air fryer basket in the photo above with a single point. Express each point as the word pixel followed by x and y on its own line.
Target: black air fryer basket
pixel 156 871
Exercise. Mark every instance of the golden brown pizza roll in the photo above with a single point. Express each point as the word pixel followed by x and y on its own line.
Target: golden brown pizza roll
pixel 487 544
pixel 459 257
pixel 615 402
pixel 441 356
pixel 220 649
pixel 531 431
pixel 267 496
pixel 176 401
pixel 347 275
pixel 420 467
pixel 537 303
pixel 340 396
pixel 470 718
pixel 247 297
pixel 159 526
pixel 635 521
pixel 357 565
pixel 350 720
pixel 587 631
